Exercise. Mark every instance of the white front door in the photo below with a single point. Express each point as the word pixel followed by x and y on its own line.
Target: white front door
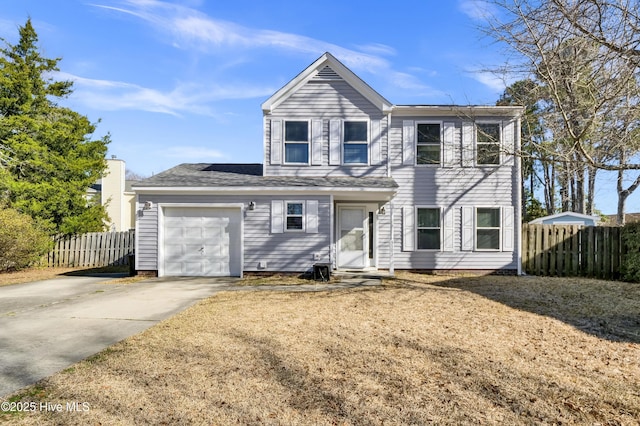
pixel 353 237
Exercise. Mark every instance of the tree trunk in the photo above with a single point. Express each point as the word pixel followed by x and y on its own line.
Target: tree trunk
pixel 592 189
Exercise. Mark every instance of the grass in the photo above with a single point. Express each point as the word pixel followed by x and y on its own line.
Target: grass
pixel 45 273
pixel 418 350
pixel 280 279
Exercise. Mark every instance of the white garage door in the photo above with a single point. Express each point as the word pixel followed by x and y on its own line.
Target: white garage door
pixel 201 241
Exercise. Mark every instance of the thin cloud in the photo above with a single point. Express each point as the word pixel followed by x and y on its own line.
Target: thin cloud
pixel 192 153
pixel 189 28
pixel 493 81
pixel 478 10
pixel 184 98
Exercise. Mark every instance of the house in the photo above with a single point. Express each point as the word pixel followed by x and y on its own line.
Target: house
pixel 349 179
pixel 116 194
pixel 567 218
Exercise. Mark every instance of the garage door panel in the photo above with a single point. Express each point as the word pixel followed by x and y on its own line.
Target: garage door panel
pixel 202 242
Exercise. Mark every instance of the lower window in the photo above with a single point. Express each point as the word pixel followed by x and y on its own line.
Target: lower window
pixel 428 229
pixel 294 215
pixel 488 228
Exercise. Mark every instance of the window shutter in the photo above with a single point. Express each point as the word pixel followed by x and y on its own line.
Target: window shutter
pixel 277 216
pixel 408 143
pixel 312 217
pixel 335 127
pixel 408 228
pixel 467 144
pixel 276 141
pixel 467 228
pixel 449 144
pixel 316 142
pixel 508 234
pixel 508 148
pixel 376 142
pixel 448 230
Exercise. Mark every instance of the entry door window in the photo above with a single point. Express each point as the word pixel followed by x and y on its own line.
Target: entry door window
pixel 352 237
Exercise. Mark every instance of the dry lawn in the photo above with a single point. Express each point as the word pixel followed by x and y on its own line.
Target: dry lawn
pixel 44 273
pixel 32 274
pixel 419 350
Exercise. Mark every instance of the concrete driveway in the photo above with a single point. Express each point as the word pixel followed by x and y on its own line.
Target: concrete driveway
pixel 48 325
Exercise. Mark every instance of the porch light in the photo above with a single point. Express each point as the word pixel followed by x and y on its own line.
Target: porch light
pixel 382 211
pixel 147 205
pixel 252 205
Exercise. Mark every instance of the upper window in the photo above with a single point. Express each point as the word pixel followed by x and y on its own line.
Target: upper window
pixel 354 145
pixel 296 142
pixel 428 228
pixel 488 228
pixel 429 138
pixel 294 216
pixel 488 143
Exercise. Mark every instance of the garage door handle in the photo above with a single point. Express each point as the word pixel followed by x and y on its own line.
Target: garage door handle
pixel 201 249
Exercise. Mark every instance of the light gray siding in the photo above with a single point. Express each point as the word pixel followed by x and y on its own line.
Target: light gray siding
pixel 450 188
pixel 287 251
pixel 326 101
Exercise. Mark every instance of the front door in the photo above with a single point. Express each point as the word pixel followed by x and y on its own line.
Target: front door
pixel 353 237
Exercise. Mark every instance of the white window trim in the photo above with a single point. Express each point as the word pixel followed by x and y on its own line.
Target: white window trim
pixel 285 142
pixel 500 143
pixel 475 228
pixel 367 142
pixel 417 144
pixel 441 227
pixel 286 215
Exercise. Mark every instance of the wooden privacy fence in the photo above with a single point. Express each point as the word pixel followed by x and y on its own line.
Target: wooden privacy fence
pixel 571 250
pixel 93 249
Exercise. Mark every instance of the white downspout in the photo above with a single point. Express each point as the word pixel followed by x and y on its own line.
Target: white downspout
pixel 391 243
pixel 518 223
pixel 391 239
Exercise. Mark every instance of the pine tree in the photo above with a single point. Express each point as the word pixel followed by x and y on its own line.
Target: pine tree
pixel 47 157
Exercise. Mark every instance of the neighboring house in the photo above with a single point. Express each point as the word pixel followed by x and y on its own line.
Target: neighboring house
pixel 348 179
pixel 567 218
pixel 116 195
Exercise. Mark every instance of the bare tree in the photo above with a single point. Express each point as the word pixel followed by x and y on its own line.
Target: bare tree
pixel 586 54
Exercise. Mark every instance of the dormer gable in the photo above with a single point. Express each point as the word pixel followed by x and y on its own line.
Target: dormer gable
pixel 327 68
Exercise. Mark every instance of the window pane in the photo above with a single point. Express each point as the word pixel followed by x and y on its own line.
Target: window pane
pixel 294 222
pixel 488 218
pixel 489 239
pixel 297 131
pixel 489 153
pixel 488 132
pixel 428 218
pixel 296 153
pixel 428 239
pixel 294 208
pixel 355 131
pixel 428 132
pixel 355 153
pixel 351 240
pixel 428 154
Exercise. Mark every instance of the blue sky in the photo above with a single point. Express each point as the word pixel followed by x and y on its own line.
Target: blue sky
pixel 182 81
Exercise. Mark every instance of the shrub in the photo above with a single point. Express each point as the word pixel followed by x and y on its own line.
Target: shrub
pixel 21 242
pixel 630 267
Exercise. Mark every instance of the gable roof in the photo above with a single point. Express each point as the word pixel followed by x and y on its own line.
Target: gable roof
pixel 327 67
pixel 249 176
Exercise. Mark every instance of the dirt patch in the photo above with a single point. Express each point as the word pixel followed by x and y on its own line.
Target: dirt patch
pixel 415 351
pixel 44 273
pixel 32 274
